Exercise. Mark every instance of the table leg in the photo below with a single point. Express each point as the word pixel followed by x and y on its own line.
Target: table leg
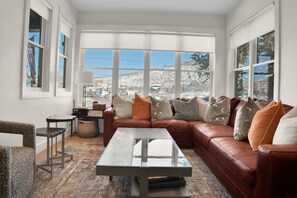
pixel 71 127
pixel 143 187
pixel 47 150
pixel 63 148
pixel 51 159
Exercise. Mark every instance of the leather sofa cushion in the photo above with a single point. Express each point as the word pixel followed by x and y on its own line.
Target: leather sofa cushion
pixel 131 123
pixel 237 158
pixel 204 132
pixel 173 126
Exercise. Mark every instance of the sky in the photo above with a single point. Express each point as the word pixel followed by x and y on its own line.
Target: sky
pixel 128 59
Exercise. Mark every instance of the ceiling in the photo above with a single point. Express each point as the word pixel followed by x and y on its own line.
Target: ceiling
pixel 211 7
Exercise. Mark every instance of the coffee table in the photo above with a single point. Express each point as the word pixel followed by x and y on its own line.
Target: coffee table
pixel 144 152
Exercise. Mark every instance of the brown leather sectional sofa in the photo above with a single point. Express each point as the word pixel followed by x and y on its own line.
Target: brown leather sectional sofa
pixel 270 172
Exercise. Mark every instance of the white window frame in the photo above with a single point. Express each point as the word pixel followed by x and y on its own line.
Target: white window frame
pixel 68 33
pixel 177 69
pixel 252 64
pixel 44 91
pixel 275 6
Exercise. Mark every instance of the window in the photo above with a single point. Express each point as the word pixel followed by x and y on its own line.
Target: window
pixel 64 56
pixel 62 61
pixel 195 75
pixel 36 57
pixel 35 53
pixel 164 65
pixel 260 71
pixel 264 68
pixel 100 62
pixel 162 74
pixel 131 73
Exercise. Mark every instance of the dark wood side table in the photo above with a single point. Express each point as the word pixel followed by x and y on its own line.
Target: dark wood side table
pixel 50 134
pixel 89 114
pixel 60 118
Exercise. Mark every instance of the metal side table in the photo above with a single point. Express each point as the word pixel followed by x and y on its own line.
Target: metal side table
pixel 50 134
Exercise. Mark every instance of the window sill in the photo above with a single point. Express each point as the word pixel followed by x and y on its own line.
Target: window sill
pixel 35 94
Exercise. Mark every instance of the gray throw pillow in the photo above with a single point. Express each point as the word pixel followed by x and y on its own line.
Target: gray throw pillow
pixel 243 119
pixel 123 108
pixel 186 110
pixel 160 109
pixel 218 111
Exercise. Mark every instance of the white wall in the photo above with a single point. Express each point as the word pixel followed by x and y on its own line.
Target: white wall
pixel 145 21
pixel 288 41
pixel 12 107
pixel 288 51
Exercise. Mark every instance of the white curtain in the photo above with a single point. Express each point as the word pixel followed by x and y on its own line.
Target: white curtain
pixel 42 8
pixel 261 24
pixel 148 41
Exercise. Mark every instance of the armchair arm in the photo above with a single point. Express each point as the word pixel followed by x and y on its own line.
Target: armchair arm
pixel 276 171
pixel 27 130
pixel 109 114
pixel 5 173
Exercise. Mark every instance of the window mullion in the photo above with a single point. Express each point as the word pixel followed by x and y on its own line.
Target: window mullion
pixel 146 80
pixel 177 73
pixel 115 72
pixel 252 61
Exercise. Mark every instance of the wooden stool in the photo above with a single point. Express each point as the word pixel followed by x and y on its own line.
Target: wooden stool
pixel 50 134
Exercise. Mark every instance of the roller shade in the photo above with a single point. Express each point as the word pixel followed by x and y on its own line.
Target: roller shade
pixel 149 41
pixel 42 8
pixel 261 25
pixel 66 28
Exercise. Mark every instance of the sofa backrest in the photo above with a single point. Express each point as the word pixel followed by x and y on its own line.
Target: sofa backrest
pixel 237 103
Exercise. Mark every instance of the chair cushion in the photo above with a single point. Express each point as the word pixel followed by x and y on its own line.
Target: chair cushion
pixel 218 111
pixel 286 132
pixel 204 132
pixel 160 109
pixel 142 108
pixel 22 167
pixel 131 123
pixel 264 125
pixel 236 157
pixel 173 126
pixel 123 108
pixel 186 110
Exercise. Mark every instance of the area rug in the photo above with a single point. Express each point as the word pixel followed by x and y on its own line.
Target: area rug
pixel 78 177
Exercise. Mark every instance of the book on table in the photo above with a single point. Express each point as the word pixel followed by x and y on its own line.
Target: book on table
pixel 165 182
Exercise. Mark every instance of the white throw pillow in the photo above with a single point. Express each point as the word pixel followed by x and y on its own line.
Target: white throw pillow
pixel 202 105
pixel 286 132
pixel 123 108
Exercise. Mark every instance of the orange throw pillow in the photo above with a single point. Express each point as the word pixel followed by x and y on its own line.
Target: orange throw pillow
pixel 142 108
pixel 264 124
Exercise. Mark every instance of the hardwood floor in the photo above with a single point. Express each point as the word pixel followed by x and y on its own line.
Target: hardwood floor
pixel 40 157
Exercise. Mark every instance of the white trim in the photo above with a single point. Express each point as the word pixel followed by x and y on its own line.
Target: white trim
pixel 44 91
pixel 277 51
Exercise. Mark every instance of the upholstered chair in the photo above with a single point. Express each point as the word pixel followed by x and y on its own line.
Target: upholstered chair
pixel 17 163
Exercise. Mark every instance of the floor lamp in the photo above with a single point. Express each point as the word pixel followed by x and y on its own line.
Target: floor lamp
pixel 84 78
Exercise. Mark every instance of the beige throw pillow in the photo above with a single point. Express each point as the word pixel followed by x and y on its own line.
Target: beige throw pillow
pixel 218 111
pixel 202 105
pixel 123 108
pixel 243 119
pixel 160 109
pixel 286 132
